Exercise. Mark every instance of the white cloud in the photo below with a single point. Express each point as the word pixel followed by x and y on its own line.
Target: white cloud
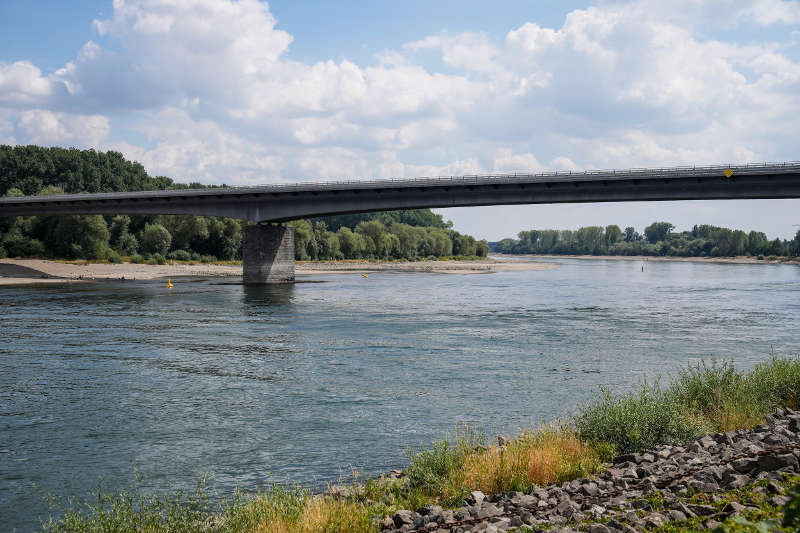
pixel 41 126
pixel 211 85
pixel 21 83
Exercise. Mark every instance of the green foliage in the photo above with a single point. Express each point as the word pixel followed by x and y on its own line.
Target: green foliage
pixel 791 511
pixel 159 259
pixel 641 419
pixel 114 257
pixel 180 255
pixel 701 241
pixel 137 259
pixel 155 239
pixel 702 398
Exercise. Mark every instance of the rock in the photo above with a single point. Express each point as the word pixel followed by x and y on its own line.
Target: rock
pixel 387 523
pixel 403 517
pixel 779 501
pixel 461 514
pixel 475 498
pixel 707 442
pixel 733 508
pixel 774 488
pixel 655 520
pixel 711 524
pixel 598 528
pixel 676 516
pixel 735 481
pixel 701 510
pixel 590 489
pixel 430 510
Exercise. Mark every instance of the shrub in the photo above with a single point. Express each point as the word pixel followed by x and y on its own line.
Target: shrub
pixel 207 259
pixel 720 394
pixel 641 419
pixel 155 239
pixel 3 253
pixel 137 259
pixel 776 383
pixel 114 257
pixel 159 259
pixel 195 256
pixel 180 255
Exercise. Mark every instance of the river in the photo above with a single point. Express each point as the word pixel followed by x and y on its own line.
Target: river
pixel 256 384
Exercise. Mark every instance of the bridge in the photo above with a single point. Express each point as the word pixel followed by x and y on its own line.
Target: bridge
pixel 269 248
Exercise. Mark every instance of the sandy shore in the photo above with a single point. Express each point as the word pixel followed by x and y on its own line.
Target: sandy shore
pixel 738 260
pixel 35 271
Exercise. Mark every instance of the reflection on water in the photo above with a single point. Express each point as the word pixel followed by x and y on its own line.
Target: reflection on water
pixel 253 384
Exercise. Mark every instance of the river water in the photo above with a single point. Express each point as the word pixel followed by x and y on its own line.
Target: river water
pixel 252 385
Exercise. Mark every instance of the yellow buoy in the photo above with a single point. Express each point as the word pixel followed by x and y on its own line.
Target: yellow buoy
pixel 169 283
pixel 365 275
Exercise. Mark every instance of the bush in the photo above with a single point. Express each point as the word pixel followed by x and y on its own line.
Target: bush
pixel 207 259
pixel 641 419
pixel 114 257
pixel 180 255
pixel 720 394
pixel 159 259
pixel 155 239
pixel 776 383
pixel 195 256
pixel 137 259
pixel 3 253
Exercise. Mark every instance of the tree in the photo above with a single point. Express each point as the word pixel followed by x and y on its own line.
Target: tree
pixel 658 231
pixel 155 239
pixel 612 235
pixel 631 235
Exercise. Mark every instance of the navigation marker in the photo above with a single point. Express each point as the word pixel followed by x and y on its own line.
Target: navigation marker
pixel 728 173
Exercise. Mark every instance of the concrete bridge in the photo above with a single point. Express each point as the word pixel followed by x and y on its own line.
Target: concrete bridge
pixel 269 249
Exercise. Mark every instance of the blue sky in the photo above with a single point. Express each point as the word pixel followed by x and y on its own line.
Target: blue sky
pixel 247 92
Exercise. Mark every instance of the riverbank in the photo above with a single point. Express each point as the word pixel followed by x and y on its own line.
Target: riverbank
pixel 738 260
pixel 709 449
pixel 36 271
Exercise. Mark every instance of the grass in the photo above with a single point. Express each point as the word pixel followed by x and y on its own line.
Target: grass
pixel 702 398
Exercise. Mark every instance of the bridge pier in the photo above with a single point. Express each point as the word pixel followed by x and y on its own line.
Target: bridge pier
pixel 268 254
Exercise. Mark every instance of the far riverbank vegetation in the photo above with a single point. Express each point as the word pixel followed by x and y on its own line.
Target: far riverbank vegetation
pixel 658 239
pixel 703 398
pixel 34 170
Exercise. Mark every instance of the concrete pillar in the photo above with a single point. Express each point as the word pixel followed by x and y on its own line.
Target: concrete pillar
pixel 268 254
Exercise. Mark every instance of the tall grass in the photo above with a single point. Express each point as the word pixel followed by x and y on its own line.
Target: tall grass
pixel 703 398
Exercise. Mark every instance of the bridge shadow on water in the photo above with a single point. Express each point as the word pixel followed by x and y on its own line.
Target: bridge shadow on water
pixel 268 295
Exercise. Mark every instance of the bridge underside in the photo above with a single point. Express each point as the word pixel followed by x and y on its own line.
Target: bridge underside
pixel 294 203
pixel 268 250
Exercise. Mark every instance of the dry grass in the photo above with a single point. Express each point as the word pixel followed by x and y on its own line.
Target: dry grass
pixel 537 457
pixel 317 515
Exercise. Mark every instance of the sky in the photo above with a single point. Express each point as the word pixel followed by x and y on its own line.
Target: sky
pixel 246 92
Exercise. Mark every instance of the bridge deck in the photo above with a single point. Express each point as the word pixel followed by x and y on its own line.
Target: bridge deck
pixel 299 200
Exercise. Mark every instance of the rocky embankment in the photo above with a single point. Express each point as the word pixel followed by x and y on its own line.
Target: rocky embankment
pixel 623 497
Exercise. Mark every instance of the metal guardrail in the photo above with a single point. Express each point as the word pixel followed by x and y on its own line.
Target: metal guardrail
pixel 436 181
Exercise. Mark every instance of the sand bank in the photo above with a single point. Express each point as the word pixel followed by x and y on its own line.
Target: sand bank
pixel 34 271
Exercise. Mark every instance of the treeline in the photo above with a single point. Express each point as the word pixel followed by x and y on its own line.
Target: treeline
pixel 658 240
pixel 29 170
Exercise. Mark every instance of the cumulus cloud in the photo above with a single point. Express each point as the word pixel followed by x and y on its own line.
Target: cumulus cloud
pixel 212 87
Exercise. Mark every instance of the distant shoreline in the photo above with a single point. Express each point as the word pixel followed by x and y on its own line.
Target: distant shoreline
pixel 738 260
pixel 43 271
